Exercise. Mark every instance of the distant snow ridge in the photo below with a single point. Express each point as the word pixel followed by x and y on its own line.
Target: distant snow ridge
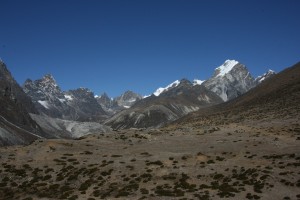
pixel 265 76
pixel 146 96
pixel 161 90
pixel 197 82
pixel 226 67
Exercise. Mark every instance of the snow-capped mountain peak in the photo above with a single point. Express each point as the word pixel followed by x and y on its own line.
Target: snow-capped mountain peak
pixel 161 89
pixel 230 80
pixel 226 67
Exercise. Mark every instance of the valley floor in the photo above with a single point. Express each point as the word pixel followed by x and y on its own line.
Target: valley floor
pixel 249 160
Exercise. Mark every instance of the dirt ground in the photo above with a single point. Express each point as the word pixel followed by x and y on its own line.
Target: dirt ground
pixel 249 160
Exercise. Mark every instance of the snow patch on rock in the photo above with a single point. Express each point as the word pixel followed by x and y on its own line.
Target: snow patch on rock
pixel 45 104
pixel 197 82
pixel 226 67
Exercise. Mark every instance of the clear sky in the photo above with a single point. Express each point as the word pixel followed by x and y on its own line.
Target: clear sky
pixel 118 45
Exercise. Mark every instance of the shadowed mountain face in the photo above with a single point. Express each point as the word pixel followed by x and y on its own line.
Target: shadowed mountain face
pixel 16 125
pixel 45 93
pixel 11 90
pixel 156 111
pixel 275 98
pixel 85 105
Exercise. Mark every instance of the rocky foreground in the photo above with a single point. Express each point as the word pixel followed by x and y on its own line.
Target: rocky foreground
pixel 248 160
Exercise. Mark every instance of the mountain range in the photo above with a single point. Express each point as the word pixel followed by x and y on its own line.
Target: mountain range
pixel 230 80
pixel 244 148
pixel 58 109
pixel 275 98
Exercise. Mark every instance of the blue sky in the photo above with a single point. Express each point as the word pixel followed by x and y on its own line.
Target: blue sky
pixel 113 46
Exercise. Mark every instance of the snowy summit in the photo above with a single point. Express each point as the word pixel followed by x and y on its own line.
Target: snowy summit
pixel 161 90
pixel 226 67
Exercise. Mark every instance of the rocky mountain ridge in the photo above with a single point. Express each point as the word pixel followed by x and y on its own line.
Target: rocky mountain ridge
pixel 114 105
pixel 155 111
pixel 229 80
pixel 22 123
pixel 166 104
pixel 275 98
pixel 129 110
pixel 49 99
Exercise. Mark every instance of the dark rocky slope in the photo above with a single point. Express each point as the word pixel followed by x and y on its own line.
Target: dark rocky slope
pixel 16 125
